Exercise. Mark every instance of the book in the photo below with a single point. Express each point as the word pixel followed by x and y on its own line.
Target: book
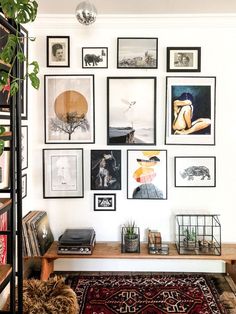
pixel 43 233
pixel 3 239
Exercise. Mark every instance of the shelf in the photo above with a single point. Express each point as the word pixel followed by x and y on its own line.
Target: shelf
pixel 5 204
pixel 5 273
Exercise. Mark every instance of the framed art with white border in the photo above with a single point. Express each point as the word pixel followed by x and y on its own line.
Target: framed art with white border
pixel 58 51
pixel 95 57
pixel 105 202
pixel 190 110
pixel 24 146
pixel 183 59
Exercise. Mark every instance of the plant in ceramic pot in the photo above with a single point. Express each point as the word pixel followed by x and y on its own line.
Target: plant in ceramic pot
pixel 190 240
pixel 130 237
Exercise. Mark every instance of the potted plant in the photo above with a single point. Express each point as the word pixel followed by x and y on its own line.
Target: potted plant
pixel 189 241
pixel 130 238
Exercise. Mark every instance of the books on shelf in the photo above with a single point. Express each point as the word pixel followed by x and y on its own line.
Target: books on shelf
pixel 37 234
pixel 3 239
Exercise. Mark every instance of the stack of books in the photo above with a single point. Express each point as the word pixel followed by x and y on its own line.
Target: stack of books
pixel 37 234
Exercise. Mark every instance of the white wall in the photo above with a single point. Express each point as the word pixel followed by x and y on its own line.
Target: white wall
pixel 216 37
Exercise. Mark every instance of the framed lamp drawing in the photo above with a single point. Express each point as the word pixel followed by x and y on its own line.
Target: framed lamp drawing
pixel 58 51
pixel 147 174
pixel 183 59
pixel 105 202
pixel 131 110
pixel 63 174
pixel 69 109
pixel 195 171
pixel 190 110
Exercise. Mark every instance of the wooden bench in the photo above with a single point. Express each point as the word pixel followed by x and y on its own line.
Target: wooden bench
pixel 112 250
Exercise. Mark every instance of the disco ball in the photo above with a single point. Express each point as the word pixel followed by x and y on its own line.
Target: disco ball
pixel 86 13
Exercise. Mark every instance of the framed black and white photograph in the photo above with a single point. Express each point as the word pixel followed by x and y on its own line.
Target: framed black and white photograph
pixel 190 110
pixel 147 174
pixel 95 57
pixel 24 147
pixel 63 174
pixel 69 109
pixel 24 186
pixel 105 202
pixel 58 51
pixel 195 171
pixel 183 59
pixel 131 110
pixel 105 169
pixel 137 53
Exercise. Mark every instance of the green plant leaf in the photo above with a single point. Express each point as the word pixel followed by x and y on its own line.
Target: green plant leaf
pixel 2 144
pixel 35 82
pixel 35 67
pixel 2 129
pixel 22 11
pixel 8 52
pixel 21 57
pixel 14 88
pixel 4 78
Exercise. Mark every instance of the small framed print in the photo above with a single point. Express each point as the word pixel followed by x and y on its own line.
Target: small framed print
pixel 58 51
pixel 183 59
pixel 137 53
pixel 95 57
pixel 195 171
pixel 63 175
pixel 24 186
pixel 24 147
pixel 105 202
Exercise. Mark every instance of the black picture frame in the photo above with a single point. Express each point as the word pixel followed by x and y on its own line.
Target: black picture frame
pixel 183 59
pixel 195 171
pixel 195 97
pixel 105 202
pixel 137 53
pixel 131 110
pixel 24 147
pixel 95 57
pixel 63 173
pixel 58 51
pixel 147 174
pixel 23 68
pixel 24 185
pixel 65 96
pixel 105 169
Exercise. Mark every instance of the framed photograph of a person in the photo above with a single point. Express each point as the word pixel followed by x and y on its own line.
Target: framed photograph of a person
pixel 58 51
pixel 95 57
pixel 147 174
pixel 131 110
pixel 183 59
pixel 69 109
pixel 194 171
pixel 105 202
pixel 63 175
pixel 137 53
pixel 105 169
pixel 190 110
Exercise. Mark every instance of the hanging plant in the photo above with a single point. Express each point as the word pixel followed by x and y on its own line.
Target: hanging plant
pixel 19 12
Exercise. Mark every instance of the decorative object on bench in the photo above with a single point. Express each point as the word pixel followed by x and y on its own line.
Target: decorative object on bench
pixel 130 238
pixel 198 234
pixel 155 245
pixel 48 297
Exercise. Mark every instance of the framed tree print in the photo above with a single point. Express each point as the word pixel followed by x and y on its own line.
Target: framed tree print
pixel 131 110
pixel 105 170
pixel 69 109
pixel 190 110
pixel 63 174
pixel 147 174
pixel 197 171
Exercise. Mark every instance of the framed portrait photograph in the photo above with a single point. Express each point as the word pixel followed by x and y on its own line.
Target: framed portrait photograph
pixel 105 202
pixel 190 110
pixel 131 109
pixel 24 186
pixel 94 57
pixel 58 51
pixel 69 109
pixel 105 169
pixel 147 174
pixel 24 146
pixel 63 175
pixel 195 171
pixel 5 170
pixel 183 59
pixel 137 53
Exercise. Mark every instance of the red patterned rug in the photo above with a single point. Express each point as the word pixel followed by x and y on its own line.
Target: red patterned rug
pixel 147 294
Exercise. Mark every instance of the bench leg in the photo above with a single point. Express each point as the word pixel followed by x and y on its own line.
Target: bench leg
pixel 47 267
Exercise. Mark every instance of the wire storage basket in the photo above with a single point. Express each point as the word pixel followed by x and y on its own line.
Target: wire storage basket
pixel 198 234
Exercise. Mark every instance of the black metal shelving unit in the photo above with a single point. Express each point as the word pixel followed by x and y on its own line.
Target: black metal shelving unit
pixel 11 273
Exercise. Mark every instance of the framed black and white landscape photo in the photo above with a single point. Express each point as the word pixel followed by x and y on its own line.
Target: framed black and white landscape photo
pixel 183 59
pixel 195 171
pixel 105 202
pixel 95 57
pixel 58 51
pixel 131 110
pixel 138 53
pixel 190 110
pixel 69 109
